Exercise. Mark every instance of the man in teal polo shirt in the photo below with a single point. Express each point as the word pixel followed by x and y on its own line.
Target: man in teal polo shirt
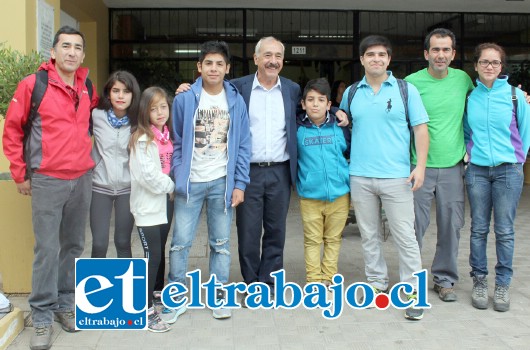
pixel 443 91
pixel 380 164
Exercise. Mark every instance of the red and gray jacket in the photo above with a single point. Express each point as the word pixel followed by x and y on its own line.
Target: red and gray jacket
pixel 59 141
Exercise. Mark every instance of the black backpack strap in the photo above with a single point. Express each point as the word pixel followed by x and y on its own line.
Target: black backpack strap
pixel 41 84
pixel 404 92
pixel 39 89
pixel 514 101
pixel 351 93
pixel 89 87
pixel 467 99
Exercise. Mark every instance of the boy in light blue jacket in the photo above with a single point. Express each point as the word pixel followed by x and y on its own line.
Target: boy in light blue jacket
pixel 322 181
pixel 211 162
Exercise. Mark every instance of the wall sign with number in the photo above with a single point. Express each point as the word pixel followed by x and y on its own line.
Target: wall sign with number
pixel 298 50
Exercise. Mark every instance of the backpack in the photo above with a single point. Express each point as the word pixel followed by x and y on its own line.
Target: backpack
pixel 39 89
pixel 403 91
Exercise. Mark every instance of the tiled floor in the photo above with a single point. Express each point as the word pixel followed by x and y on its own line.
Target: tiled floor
pixel 446 326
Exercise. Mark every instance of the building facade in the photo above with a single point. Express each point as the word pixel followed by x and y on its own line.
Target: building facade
pixel 160 45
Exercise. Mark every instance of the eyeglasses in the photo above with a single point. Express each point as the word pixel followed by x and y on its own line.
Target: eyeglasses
pixel 485 63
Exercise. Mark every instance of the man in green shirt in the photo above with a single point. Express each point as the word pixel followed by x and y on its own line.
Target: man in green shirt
pixel 443 91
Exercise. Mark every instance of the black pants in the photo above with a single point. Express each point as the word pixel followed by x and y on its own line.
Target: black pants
pixel 153 239
pixel 164 233
pixel 100 213
pixel 261 221
pixel 150 238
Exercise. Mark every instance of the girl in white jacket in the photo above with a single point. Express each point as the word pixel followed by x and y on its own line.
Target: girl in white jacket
pixel 151 151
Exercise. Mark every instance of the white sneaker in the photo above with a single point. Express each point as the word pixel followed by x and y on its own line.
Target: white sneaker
pixel 221 312
pixel 170 316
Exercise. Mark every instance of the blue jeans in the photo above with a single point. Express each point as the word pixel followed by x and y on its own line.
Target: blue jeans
pixel 219 218
pixel 498 188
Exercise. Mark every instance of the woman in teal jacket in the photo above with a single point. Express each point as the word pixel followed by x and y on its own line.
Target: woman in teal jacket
pixel 497 137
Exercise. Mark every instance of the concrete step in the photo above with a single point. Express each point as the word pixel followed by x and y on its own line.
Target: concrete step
pixel 11 324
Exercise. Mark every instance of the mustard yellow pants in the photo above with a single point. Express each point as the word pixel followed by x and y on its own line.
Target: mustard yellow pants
pixel 323 224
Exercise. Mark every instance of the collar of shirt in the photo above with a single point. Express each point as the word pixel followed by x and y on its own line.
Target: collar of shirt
pixel 256 84
pixel 325 121
pixel 391 80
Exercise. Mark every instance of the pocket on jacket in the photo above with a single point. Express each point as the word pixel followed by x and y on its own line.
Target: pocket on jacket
pixel 313 180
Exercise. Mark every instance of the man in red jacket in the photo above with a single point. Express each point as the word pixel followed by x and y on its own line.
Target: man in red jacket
pixel 53 165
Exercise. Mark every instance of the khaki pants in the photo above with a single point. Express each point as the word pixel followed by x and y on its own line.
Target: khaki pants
pixel 323 223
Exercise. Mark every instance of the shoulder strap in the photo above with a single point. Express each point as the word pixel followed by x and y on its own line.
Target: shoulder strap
pixel 514 101
pixel 404 92
pixel 351 93
pixel 89 88
pixel 39 89
pixel 467 99
pixel 41 84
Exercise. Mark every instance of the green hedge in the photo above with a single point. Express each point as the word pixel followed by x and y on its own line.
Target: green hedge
pixel 14 67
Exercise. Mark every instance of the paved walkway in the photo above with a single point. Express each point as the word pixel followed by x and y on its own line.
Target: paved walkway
pixel 445 326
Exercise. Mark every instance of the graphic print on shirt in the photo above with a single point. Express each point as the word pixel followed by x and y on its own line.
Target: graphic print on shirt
pixel 165 161
pixel 211 128
pixel 318 140
pixel 212 121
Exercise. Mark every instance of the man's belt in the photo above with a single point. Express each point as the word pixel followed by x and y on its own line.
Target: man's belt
pixel 267 164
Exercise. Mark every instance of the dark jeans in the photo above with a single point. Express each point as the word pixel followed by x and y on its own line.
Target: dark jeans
pixel 261 222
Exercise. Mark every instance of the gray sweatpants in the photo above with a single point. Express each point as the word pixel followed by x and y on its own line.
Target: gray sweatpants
pixel 446 186
pixel 59 213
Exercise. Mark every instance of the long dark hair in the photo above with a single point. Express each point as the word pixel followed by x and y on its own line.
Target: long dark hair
pixel 131 84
